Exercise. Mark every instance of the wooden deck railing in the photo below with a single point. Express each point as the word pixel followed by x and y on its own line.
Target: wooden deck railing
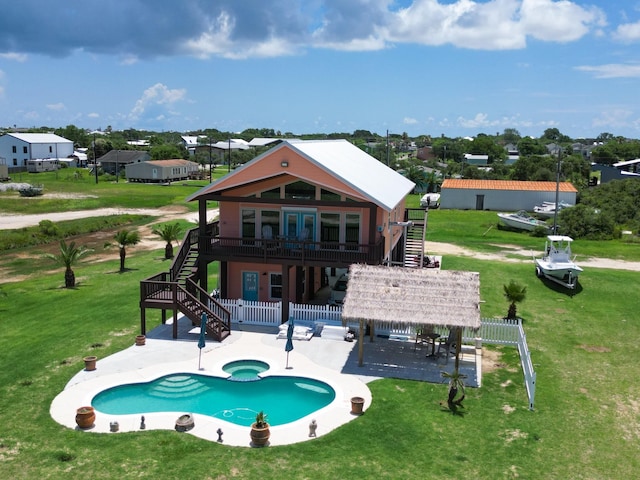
pixel 297 250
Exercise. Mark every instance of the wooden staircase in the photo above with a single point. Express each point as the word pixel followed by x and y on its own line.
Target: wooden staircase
pixel 177 290
pixel 414 243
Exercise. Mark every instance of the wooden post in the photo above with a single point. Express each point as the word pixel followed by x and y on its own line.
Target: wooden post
pixel 361 343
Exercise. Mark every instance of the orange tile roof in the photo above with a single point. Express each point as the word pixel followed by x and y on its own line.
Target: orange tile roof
pixel 468 184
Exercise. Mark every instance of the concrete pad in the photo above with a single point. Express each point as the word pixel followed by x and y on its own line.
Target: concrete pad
pixel 329 359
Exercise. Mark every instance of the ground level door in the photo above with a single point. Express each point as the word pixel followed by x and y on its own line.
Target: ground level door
pixel 250 286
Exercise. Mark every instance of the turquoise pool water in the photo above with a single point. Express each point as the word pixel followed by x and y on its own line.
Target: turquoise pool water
pixel 283 399
pixel 244 370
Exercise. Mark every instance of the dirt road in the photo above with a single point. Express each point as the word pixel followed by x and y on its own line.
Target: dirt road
pixel 511 253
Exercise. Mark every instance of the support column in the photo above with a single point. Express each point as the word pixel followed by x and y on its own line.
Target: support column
pixel 361 343
pixel 285 293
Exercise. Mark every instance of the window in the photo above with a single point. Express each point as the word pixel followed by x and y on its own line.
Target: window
pixel 329 196
pixel 271 218
pixel 15 162
pixel 273 193
pixel 352 231
pixel 15 149
pixel 248 223
pixel 275 285
pixel 50 149
pixel 300 190
pixel 330 229
pixel 25 150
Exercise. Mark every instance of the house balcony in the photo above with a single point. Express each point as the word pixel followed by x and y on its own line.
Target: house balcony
pixel 287 251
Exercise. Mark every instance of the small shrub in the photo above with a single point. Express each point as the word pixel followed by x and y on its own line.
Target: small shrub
pixel 48 228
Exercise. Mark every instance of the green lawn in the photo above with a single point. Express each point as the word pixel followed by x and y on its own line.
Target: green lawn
pixel 584 346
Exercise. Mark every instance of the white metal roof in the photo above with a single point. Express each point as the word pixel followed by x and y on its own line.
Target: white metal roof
pixel 357 168
pixel 40 137
pixel 371 178
pixel 628 162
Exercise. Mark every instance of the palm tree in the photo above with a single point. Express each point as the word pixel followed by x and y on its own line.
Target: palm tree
pixel 514 293
pixel 169 233
pixel 416 175
pixel 124 239
pixel 69 255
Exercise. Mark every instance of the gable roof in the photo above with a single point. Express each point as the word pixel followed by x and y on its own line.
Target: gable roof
pixel 124 156
pixel 341 159
pixel 39 137
pixel 468 184
pixel 173 162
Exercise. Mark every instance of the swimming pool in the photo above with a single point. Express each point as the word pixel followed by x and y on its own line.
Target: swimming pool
pixel 284 399
pixel 245 370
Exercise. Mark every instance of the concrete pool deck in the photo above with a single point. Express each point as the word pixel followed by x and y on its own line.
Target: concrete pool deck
pixel 329 359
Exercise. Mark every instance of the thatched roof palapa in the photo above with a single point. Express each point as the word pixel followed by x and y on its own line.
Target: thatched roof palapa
pixel 395 297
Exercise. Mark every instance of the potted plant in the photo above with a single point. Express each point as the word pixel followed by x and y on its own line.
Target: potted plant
pixel 85 416
pixel 456 387
pixel 260 430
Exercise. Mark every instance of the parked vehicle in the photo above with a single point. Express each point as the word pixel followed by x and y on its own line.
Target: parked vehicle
pixel 556 264
pixel 521 220
pixel 548 209
pixel 431 200
pixel 339 290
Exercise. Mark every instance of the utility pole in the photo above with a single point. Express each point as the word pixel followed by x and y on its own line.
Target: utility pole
pixel 95 162
pixel 387 148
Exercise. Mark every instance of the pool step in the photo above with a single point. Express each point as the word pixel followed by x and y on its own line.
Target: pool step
pixel 178 386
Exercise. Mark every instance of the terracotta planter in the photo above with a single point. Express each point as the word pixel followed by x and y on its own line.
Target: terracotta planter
pixel 140 340
pixel 357 404
pixel 90 363
pixel 259 436
pixel 85 417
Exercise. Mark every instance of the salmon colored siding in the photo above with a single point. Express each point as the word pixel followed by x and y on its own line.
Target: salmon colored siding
pixel 244 179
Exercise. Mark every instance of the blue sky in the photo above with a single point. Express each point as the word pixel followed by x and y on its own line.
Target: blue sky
pixel 433 67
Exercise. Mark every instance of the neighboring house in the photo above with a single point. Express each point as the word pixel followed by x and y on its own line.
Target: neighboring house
pixel 190 142
pixel 513 155
pixel 286 216
pixel 19 148
pixel 4 170
pixel 502 195
pixel 115 161
pixel 161 171
pixel 617 171
pixel 43 165
pixel 263 142
pixel 476 160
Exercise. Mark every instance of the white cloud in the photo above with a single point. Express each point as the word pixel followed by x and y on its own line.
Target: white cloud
pixel 56 106
pixel 18 57
pixel 480 120
pixel 614 118
pixel 156 95
pixel 93 115
pixel 409 121
pixel 559 21
pixel 492 25
pixel 612 70
pixel 628 32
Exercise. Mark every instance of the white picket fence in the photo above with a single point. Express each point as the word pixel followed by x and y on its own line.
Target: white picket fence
pixel 496 331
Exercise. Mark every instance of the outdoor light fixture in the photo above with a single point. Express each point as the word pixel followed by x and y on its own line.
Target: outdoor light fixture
pixel 284 163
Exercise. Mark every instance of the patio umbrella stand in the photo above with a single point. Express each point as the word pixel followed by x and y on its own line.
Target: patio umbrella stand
pixel 289 345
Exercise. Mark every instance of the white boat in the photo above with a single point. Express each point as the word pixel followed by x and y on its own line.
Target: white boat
pixel 556 264
pixel 548 209
pixel 522 221
pixel 431 200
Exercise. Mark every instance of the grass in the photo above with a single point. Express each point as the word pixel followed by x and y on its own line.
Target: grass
pixel 586 424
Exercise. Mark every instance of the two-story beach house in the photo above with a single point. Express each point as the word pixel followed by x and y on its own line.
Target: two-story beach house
pixel 284 217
